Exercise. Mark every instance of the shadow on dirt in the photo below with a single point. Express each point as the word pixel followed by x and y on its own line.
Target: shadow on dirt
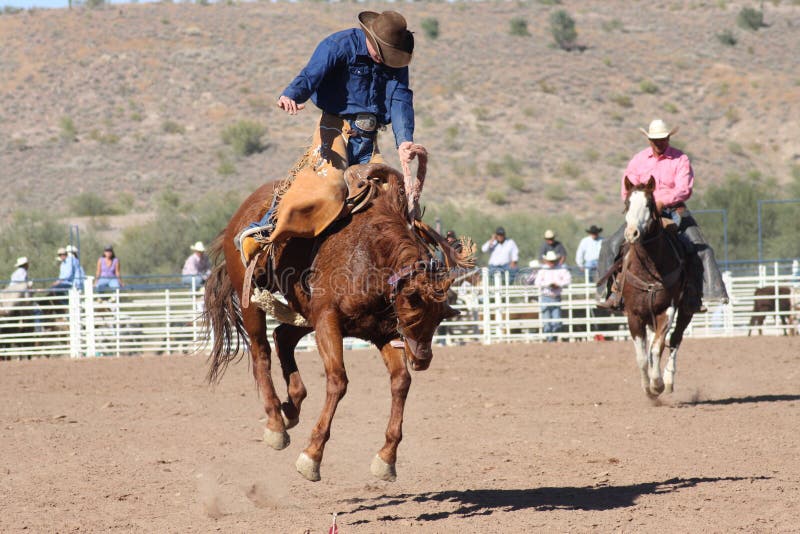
pixel 742 400
pixel 487 501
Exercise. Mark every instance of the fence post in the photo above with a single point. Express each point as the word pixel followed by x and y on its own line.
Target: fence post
pixel 74 323
pixel 498 302
pixel 169 323
pixel 88 303
pixel 728 325
pixel 195 316
pixel 487 328
pixel 118 322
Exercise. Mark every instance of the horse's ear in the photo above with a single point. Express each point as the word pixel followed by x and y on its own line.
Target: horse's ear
pixel 651 184
pixel 450 312
pixel 628 185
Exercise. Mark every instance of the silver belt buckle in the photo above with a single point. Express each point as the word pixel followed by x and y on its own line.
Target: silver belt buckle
pixel 366 122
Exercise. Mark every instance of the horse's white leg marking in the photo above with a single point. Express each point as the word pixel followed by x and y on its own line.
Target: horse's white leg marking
pixel 382 470
pixel 656 348
pixel 276 440
pixel 307 467
pixel 669 369
pixel 640 344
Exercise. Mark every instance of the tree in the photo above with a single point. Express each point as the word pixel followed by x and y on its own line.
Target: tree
pixel 562 26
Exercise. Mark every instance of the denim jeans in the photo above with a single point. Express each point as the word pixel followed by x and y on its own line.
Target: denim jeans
pixel 106 284
pixel 551 315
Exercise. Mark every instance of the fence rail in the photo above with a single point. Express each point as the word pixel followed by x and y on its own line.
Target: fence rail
pixel 169 321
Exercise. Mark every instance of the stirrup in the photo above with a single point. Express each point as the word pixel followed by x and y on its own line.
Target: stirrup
pixel 259 233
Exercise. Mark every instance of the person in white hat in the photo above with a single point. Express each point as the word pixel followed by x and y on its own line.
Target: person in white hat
pixel 551 279
pixel 20 274
pixel 197 266
pixel 674 184
pixel 70 272
pixel 550 243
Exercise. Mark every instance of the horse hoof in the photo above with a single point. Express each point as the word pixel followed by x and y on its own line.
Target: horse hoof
pixel 668 387
pixel 276 440
pixel 307 467
pixel 657 386
pixel 382 470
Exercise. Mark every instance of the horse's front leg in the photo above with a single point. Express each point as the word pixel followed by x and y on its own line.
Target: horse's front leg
pixel 383 465
pixel 286 337
pixel 663 324
pixel 683 320
pixel 329 344
pixel 255 324
pixel 639 334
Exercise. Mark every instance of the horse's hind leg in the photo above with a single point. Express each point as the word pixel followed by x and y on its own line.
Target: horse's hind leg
pixel 383 465
pixel 255 324
pixel 286 337
pixel 682 321
pixel 329 343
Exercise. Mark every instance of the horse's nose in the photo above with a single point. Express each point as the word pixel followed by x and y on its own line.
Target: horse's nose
pixel 631 235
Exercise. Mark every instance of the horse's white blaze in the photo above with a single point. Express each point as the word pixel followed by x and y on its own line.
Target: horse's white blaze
pixel 637 216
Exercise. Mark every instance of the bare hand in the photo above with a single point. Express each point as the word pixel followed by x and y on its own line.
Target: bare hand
pixel 289 106
pixel 404 151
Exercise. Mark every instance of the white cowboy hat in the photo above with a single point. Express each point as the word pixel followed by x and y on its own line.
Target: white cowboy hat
pixel 534 264
pixel 549 234
pixel 658 129
pixel 22 260
pixel 71 249
pixel 198 247
pixel 551 255
pixel 60 251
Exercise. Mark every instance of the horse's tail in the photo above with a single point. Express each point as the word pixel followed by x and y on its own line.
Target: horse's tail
pixel 223 316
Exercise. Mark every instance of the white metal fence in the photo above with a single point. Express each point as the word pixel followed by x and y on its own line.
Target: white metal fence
pixel 168 321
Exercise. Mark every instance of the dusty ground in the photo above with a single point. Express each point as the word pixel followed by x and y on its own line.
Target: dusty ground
pixel 500 439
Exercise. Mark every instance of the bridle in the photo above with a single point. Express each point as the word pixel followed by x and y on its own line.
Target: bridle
pixel 397 278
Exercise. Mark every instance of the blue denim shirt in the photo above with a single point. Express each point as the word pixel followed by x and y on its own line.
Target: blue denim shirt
pixel 342 79
pixel 70 272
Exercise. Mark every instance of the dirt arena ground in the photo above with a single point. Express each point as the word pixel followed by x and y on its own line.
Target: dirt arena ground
pixel 510 438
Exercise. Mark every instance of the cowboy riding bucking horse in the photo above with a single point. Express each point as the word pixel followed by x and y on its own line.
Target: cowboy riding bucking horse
pixel 359 79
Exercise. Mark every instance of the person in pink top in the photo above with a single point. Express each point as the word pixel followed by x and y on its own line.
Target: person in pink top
pixel 674 183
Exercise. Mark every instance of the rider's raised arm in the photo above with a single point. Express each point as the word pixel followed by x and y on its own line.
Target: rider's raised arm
pixel 324 59
pixel 402 112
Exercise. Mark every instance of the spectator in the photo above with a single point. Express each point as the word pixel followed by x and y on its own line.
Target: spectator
pixel 20 274
pixel 453 240
pixel 70 272
pixel 535 265
pixel 196 267
pixel 549 244
pixel 107 275
pixel 589 251
pixel 504 254
pixel 551 279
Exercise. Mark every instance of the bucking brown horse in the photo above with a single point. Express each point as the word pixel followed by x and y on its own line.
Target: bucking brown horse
pixel 368 276
pixel 653 281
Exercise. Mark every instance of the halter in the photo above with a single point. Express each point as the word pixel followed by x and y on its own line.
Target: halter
pixel 431 266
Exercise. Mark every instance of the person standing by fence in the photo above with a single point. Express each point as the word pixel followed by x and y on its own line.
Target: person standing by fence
pixel 589 251
pixel 504 254
pixel 70 272
pixel 108 273
pixel 196 267
pixel 551 280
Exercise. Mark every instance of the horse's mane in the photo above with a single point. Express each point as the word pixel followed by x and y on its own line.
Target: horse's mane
pixel 394 238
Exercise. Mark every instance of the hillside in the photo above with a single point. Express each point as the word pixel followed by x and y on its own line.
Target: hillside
pixel 149 88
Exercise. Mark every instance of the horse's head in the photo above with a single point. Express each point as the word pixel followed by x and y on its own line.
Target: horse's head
pixel 640 209
pixel 420 301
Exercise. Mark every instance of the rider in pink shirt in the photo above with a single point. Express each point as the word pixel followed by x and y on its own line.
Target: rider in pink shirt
pixel 674 182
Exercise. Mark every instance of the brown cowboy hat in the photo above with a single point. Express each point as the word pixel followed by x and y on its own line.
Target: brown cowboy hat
pixel 388 34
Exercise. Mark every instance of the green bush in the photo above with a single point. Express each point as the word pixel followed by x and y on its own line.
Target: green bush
pixel 90 204
pixel 750 19
pixel 648 87
pixel 69 133
pixel 35 235
pixel 244 137
pixel 727 38
pixel 518 26
pixel 623 101
pixel 555 192
pixel 611 25
pixel 562 26
pixel 516 182
pixel 430 26
pixel 172 127
pixel 496 197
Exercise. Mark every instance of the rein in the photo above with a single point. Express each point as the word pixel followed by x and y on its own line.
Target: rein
pixel 396 279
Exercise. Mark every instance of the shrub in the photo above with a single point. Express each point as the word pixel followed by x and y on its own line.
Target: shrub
pixel 496 197
pixel 430 26
pixel 244 137
pixel 90 204
pixel 735 148
pixel 750 19
pixel 562 26
pixel 611 25
pixel 507 166
pixel 516 182
pixel 68 131
pixel 36 235
pixel 555 192
pixel 92 4
pixel 727 38
pixel 518 26
pixel 669 107
pixel 648 87
pixel 570 170
pixel 623 101
pixel 172 127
